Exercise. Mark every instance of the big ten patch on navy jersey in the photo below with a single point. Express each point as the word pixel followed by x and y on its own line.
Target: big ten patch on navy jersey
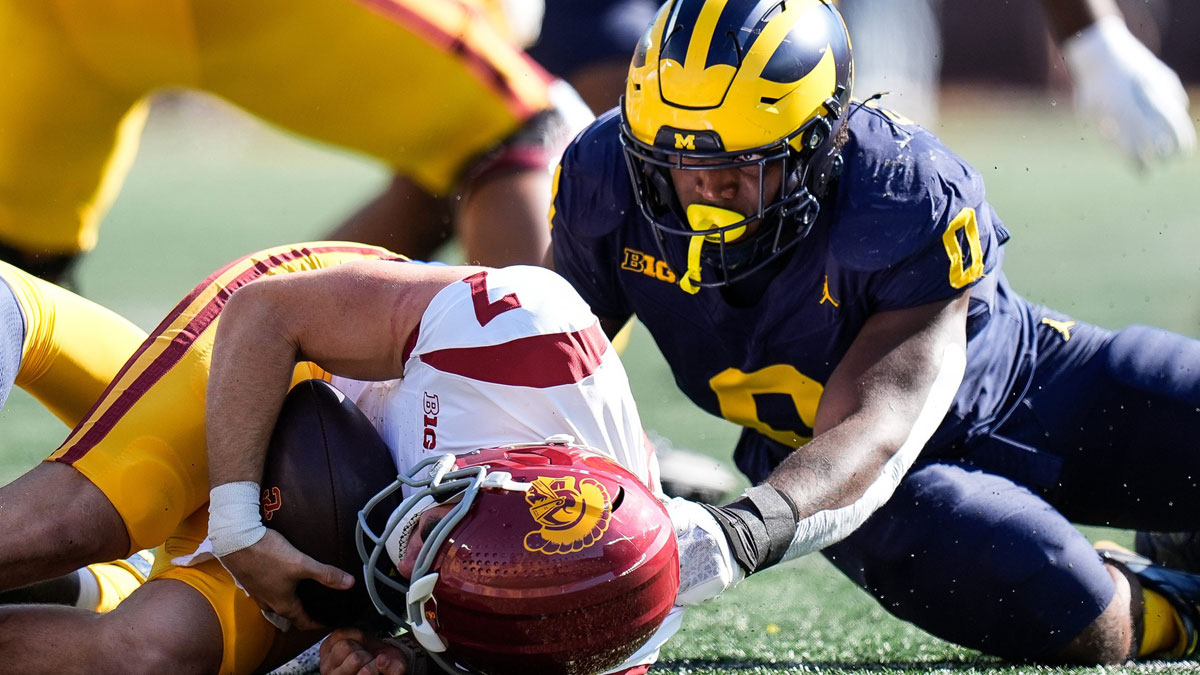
pixel 506 356
pixel 906 225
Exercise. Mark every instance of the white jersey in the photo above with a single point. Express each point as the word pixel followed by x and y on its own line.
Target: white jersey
pixel 506 356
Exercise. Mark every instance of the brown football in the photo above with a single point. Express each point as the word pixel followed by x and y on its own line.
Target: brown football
pixel 324 462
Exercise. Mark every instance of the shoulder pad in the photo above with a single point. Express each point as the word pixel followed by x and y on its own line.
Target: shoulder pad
pixel 592 184
pixel 899 188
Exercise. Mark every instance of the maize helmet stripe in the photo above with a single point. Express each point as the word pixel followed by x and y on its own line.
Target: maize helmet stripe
pixel 744 81
pixel 693 81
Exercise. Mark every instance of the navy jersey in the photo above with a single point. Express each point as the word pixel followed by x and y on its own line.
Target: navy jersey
pixel 907 225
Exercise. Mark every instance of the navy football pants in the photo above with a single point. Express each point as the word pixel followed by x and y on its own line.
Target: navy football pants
pixel 12 334
pixel 976 546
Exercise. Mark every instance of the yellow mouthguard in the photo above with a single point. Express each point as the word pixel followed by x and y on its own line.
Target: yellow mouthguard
pixel 702 218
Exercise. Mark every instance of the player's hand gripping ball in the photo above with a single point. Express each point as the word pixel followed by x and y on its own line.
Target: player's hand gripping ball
pixel 324 462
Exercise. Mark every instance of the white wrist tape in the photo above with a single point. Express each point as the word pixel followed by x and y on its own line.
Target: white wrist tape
pixel 234 521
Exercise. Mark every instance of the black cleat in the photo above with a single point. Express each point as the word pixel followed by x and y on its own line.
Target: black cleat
pixel 691 475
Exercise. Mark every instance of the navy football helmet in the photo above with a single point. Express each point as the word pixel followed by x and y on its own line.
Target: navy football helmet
pixel 756 85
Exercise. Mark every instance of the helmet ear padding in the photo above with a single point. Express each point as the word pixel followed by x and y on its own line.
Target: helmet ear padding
pixel 817 136
pixel 662 191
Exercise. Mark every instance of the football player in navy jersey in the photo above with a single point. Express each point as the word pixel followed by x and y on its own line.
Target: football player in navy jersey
pixel 829 276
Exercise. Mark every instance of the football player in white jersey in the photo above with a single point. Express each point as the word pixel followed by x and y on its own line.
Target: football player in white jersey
pixel 468 358
pixel 497 356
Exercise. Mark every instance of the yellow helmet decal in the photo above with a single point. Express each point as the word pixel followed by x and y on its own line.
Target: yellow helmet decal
pixel 685 141
pixel 691 83
pixel 570 516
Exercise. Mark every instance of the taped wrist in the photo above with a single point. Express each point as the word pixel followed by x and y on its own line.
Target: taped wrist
pixel 759 526
pixel 234 520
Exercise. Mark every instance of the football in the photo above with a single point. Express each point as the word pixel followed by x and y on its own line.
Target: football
pixel 324 462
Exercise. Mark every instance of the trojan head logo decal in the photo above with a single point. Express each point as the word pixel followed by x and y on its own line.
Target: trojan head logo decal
pixel 572 517
pixel 272 499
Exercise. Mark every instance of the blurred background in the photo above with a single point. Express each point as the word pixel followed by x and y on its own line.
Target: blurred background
pixel 905 45
pixel 1006 41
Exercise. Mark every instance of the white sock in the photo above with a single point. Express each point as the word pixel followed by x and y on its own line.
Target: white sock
pixel 89 589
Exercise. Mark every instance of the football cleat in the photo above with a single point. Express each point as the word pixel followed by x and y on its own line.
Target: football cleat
pixel 1181 589
pixel 1180 550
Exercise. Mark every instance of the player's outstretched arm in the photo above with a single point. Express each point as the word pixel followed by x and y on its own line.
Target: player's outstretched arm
pixel 352 320
pixel 880 406
pixel 1135 99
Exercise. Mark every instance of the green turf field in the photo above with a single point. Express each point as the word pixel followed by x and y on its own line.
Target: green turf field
pixel 1092 237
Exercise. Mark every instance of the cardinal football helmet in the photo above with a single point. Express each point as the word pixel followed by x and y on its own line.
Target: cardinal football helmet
pixel 548 558
pixel 736 84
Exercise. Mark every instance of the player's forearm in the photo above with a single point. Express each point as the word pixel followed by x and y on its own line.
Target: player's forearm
pixel 904 367
pixel 251 367
pixel 828 488
pixel 881 404
pixel 848 504
pixel 1068 17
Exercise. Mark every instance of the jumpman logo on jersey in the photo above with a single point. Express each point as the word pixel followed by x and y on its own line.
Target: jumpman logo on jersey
pixel 826 296
pixel 1063 327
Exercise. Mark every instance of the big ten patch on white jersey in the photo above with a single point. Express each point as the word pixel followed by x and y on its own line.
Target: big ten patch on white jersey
pixel 507 356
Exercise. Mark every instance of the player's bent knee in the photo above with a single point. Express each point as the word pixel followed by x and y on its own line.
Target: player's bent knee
pixel 53 520
pixel 164 627
pixel 1034 581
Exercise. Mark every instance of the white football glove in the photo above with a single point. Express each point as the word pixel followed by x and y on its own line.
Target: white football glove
pixel 1135 99
pixel 707 567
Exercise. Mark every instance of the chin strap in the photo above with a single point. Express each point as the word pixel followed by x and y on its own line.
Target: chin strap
pixel 759 526
pixel 691 276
